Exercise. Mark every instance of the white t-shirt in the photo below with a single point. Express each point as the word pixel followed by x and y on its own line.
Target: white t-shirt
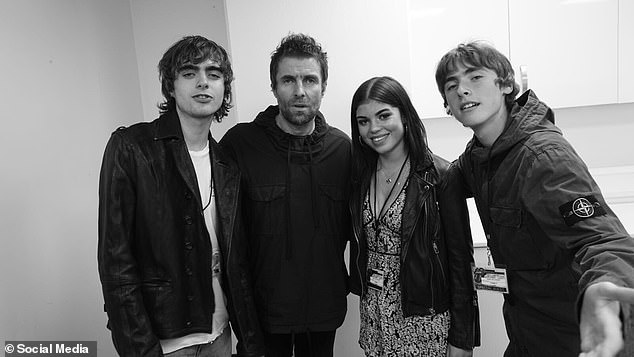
pixel 220 318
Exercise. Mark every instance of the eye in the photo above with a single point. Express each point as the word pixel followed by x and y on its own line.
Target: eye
pixel 215 75
pixel 385 116
pixel 311 80
pixel 188 74
pixel 476 77
pixel 362 122
pixel 450 86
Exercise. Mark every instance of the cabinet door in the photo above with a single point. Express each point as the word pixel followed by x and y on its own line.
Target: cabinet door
pixel 437 26
pixel 626 51
pixel 569 49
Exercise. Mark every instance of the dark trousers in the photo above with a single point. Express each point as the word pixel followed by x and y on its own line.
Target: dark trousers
pixel 305 344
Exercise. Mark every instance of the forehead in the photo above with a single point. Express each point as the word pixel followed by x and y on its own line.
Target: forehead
pixel 295 66
pixel 371 107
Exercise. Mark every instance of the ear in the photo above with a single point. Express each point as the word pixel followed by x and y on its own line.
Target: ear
pixel 507 89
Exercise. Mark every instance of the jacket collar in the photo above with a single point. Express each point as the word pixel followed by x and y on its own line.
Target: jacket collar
pixel 168 127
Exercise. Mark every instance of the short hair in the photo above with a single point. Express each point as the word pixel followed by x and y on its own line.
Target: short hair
pixel 477 54
pixel 194 50
pixel 299 46
pixel 389 91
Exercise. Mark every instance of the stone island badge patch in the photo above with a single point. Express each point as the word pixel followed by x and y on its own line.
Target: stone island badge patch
pixel 580 209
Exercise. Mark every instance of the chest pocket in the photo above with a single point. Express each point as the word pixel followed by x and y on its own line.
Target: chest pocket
pixel 514 245
pixel 266 209
pixel 332 210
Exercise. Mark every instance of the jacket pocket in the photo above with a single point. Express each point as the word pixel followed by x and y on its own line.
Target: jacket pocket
pixel 513 241
pixel 266 209
pixel 333 213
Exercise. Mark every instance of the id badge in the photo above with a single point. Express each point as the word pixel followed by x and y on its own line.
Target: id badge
pixel 490 278
pixel 376 278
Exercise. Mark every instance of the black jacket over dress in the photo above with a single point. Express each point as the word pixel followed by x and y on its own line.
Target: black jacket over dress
pixel 297 221
pixel 154 249
pixel 436 248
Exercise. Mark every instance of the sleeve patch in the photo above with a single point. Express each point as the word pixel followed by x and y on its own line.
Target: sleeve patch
pixel 580 209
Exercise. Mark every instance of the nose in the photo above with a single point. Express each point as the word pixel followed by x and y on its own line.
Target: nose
pixel 202 82
pixel 374 126
pixel 299 89
pixel 463 89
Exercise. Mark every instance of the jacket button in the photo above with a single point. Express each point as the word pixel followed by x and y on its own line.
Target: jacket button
pixel 190 297
pixel 188 220
pixel 188 323
pixel 188 195
pixel 188 271
pixel 188 245
pixel 432 311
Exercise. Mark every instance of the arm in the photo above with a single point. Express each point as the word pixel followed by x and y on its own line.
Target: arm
pixel 131 329
pixel 602 247
pixel 465 326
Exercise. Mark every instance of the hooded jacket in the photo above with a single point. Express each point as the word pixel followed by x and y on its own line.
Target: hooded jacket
pixel 154 250
pixel 437 249
pixel 548 224
pixel 297 221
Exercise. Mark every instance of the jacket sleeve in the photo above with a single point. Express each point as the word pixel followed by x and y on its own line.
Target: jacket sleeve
pixel 568 205
pixel 464 331
pixel 128 321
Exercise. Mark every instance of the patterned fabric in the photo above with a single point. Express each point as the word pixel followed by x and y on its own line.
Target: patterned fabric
pixel 384 330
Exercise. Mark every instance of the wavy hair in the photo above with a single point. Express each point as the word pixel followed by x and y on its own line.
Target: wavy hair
pixel 193 49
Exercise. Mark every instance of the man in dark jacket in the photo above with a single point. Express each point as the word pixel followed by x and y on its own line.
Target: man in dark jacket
pixel 295 172
pixel 172 250
pixel 547 224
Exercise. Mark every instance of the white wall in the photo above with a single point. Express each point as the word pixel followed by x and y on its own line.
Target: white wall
pixel 69 78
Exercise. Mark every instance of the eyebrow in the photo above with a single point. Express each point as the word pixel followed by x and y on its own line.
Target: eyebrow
pixel 189 66
pixel 469 70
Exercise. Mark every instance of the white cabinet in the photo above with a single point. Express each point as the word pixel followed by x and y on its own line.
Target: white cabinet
pixel 626 51
pixel 436 27
pixel 569 48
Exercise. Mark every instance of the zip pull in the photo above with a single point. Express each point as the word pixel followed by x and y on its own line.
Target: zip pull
pixel 435 248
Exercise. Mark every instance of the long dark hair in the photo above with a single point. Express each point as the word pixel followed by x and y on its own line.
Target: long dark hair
pixel 389 91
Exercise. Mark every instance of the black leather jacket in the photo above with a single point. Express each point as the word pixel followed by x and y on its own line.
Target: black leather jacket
pixel 154 250
pixel 436 250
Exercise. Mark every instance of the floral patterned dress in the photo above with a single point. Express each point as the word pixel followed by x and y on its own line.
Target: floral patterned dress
pixel 384 329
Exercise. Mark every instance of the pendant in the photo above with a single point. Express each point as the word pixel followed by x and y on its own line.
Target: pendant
pixel 388 180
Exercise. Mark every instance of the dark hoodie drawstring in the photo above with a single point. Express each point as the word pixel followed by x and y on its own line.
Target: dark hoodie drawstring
pixel 313 194
pixel 287 204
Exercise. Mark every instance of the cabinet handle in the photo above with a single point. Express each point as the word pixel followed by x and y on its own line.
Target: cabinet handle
pixel 523 78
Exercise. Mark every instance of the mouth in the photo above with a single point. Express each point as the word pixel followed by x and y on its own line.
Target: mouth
pixel 378 139
pixel 203 98
pixel 469 105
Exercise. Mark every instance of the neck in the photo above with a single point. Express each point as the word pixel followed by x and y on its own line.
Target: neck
pixel 290 128
pixel 392 160
pixel 490 131
pixel 195 131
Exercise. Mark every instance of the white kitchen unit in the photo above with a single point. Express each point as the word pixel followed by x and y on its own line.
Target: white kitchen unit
pixel 435 27
pixel 569 48
pixel 626 51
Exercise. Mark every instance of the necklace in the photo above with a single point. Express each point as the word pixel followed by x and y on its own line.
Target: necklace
pixel 389 178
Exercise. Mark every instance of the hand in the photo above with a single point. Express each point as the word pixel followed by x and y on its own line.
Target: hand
pixel 453 351
pixel 600 325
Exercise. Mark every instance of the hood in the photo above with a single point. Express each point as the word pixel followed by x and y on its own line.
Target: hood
pixel 528 116
pixel 300 147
